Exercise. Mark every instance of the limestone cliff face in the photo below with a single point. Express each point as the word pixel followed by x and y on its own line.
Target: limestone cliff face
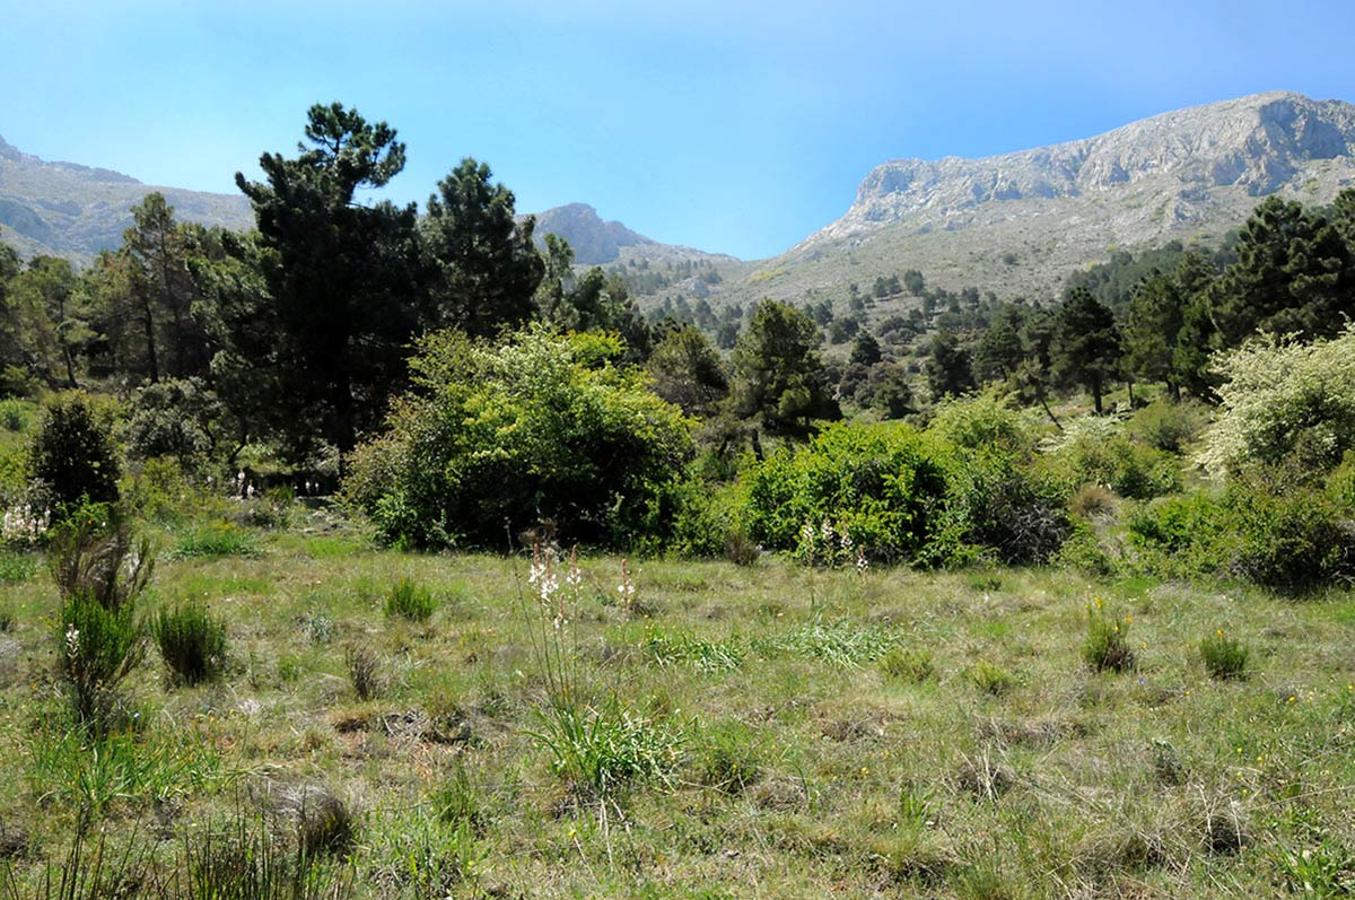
pixel 1256 145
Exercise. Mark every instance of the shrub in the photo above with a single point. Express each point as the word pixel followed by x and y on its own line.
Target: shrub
pixel 410 602
pixel 176 418
pixel 457 801
pixel 214 539
pixel 96 553
pixel 73 453
pixel 1095 450
pixel 1284 400
pixel 538 427
pixel 1106 647
pixel 990 678
pixel 983 421
pixel 1295 541
pixel 1225 657
pixel 914 666
pixel 999 504
pixel 363 671
pixel 882 484
pixel 97 648
pixel 725 760
pixel 1180 535
pixel 192 642
pixel 1168 426
pixel 14 414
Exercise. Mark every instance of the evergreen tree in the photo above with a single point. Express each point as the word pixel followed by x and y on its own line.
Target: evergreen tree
pixel 1086 348
pixel 483 265
pixel 1295 273
pixel 687 370
pixel 779 377
pixel 950 371
pixel 340 282
pixel 1153 324
pixel 866 350
pixel 1000 350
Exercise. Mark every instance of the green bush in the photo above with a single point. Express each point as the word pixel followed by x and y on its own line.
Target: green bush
pixel 1106 647
pixel 538 427
pixel 1225 657
pixel 214 539
pixel 1180 535
pixel 192 642
pixel 990 678
pixel 913 666
pixel 984 421
pixel 14 414
pixel 1169 426
pixel 1097 451
pixel 97 648
pixel 1293 541
pixel 410 602
pixel 708 521
pixel 73 452
pixel 176 418
pixel 884 485
pixel 995 502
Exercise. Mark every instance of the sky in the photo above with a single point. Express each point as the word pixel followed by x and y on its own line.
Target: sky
pixel 730 126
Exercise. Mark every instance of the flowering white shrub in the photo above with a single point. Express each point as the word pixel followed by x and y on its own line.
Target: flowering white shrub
pixel 23 524
pixel 1284 400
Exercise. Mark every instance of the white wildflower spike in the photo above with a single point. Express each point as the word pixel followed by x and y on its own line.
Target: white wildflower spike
pixel 627 587
pixel 862 564
pixel 574 577
pixel 72 641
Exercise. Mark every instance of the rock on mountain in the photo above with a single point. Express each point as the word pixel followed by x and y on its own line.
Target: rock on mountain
pixel 65 209
pixel 1018 222
pixel 603 243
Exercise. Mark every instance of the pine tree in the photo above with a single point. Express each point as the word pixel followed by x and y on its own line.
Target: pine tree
pixel 1086 348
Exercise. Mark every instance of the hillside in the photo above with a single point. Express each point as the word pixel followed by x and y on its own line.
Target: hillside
pixel 597 242
pixel 70 210
pixel 1019 222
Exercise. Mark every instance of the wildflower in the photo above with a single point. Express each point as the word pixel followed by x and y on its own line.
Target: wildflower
pixel 574 577
pixel 826 529
pixel 627 587
pixel 862 564
pixel 72 641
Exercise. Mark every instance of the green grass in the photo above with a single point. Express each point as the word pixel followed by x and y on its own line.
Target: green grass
pixel 763 731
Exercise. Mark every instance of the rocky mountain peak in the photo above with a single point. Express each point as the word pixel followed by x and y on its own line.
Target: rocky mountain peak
pixel 594 240
pixel 1257 144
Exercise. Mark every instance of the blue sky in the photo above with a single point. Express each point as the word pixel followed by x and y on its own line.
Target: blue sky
pixel 731 126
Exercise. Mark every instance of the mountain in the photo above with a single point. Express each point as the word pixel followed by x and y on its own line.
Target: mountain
pixel 1019 222
pixel 65 209
pixel 600 243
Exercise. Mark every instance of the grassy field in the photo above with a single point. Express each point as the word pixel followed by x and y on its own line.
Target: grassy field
pixel 754 731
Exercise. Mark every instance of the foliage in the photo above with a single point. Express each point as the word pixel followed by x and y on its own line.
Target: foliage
pixel 949 367
pixel 97 648
pixel 1284 401
pixel 1225 657
pixel 912 666
pixel 1086 348
pixel 997 502
pixel 96 553
pixel 599 750
pixel 1294 540
pixel 1106 647
pixel 483 265
pixel 990 678
pixel 364 671
pixel 688 372
pixel 540 427
pixel 778 375
pixel 325 345
pixel 176 418
pixel 881 484
pixel 73 452
pixel 1168 426
pixel 984 421
pixel 409 601
pixel 192 642
pixel 1095 450
pixel 214 539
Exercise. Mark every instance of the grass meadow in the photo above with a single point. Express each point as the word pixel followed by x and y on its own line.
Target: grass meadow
pixel 392 725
